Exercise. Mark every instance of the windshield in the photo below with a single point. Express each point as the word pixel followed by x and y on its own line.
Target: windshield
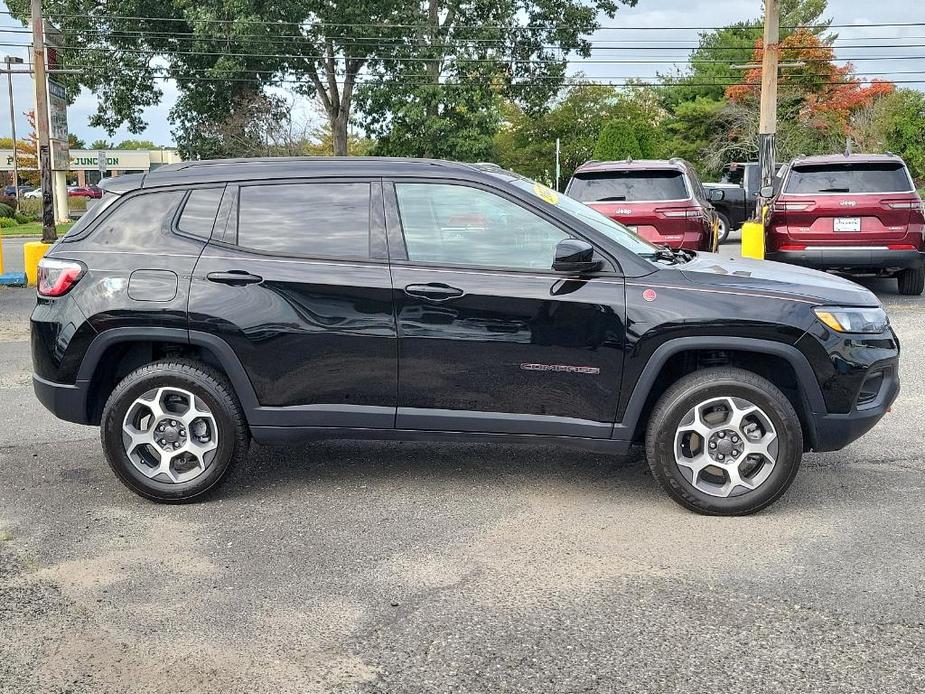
pixel 611 229
pixel 628 186
pixel 849 178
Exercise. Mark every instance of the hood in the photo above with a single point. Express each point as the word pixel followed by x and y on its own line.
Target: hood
pixel 733 272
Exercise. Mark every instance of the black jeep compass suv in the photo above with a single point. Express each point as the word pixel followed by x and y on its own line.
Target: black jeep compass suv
pixel 209 302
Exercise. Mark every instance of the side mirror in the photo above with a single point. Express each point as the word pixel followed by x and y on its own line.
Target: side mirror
pixel 575 256
pixel 716 194
pixel 767 192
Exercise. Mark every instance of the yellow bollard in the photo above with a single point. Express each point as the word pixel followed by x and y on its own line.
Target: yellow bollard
pixel 32 253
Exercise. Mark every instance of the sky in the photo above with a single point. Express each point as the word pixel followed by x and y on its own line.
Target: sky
pixel 673 48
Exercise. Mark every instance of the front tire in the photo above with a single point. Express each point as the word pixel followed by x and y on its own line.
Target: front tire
pixel 912 281
pixel 724 441
pixel 171 430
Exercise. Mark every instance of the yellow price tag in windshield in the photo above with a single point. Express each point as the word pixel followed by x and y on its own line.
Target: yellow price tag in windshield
pixel 547 194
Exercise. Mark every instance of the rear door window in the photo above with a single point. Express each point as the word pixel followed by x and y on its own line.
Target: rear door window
pixel 137 219
pixel 306 219
pixel 198 214
pixel 849 178
pixel 628 186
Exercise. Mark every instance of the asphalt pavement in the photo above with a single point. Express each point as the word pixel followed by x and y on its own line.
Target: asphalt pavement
pixel 406 567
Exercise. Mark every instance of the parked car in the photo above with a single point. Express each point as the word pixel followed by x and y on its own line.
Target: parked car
pixel 37 193
pixel 84 192
pixel 208 303
pixel 858 214
pixel 662 201
pixel 10 191
pixel 740 184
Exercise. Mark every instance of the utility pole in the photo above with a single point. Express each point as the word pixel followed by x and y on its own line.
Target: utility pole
pixel 558 168
pixel 13 60
pixel 41 122
pixel 767 126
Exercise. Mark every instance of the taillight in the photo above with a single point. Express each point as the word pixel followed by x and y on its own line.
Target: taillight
pixel 681 213
pixel 903 204
pixel 792 247
pixel 56 277
pixel 900 247
pixel 791 206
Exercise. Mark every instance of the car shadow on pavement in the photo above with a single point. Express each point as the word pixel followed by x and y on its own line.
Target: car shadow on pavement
pixel 430 464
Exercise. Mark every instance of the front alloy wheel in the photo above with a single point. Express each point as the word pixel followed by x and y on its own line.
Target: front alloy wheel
pixel 726 446
pixel 724 441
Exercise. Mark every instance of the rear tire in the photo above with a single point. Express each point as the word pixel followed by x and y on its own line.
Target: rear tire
pixel 724 228
pixel 724 442
pixel 912 281
pixel 172 430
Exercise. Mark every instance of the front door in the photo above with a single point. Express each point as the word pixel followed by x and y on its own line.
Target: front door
pixel 296 284
pixel 490 338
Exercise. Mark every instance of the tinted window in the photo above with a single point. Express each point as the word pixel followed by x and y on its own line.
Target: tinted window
pixel 849 178
pixel 136 220
pixel 628 186
pixel 458 225
pixel 314 219
pixel 198 214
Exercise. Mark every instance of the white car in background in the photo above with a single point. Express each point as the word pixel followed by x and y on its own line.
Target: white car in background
pixel 37 193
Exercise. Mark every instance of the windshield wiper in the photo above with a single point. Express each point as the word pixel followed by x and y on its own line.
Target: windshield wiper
pixel 612 198
pixel 833 190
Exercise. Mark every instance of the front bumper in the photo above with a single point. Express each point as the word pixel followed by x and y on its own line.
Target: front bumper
pixel 857 259
pixel 832 432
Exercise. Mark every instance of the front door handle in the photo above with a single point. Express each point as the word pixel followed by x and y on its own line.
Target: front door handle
pixel 235 278
pixel 433 291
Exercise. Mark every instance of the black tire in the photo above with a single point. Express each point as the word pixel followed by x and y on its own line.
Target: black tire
pixel 724 228
pixel 696 388
pixel 205 383
pixel 911 281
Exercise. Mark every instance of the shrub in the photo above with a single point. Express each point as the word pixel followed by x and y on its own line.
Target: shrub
pixel 31 207
pixel 5 210
pixel 6 222
pixel 9 201
pixel 77 203
pixel 617 141
pixel 22 218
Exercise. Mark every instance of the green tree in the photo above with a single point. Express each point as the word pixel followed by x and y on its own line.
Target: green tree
pixel 617 141
pixel 75 142
pixel 439 91
pixel 224 55
pixel 526 143
pixel 136 144
pixel 101 144
pixel 896 123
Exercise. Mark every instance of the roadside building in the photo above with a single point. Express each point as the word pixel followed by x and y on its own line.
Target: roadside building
pixel 85 164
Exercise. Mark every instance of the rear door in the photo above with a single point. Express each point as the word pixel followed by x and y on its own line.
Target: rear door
pixel 854 204
pixel 296 281
pixel 490 338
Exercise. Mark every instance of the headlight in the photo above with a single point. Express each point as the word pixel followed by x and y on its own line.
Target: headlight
pixel 844 319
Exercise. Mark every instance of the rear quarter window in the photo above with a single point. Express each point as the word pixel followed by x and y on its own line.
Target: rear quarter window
pixel 628 186
pixel 848 178
pixel 136 220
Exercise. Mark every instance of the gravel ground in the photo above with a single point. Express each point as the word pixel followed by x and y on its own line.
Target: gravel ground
pixel 399 567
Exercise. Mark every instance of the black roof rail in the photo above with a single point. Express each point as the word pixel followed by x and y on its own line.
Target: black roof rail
pixel 199 163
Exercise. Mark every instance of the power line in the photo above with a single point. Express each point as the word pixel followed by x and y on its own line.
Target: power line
pixel 422 25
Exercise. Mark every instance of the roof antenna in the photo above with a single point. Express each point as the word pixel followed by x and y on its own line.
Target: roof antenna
pixel 847 146
pixel 629 160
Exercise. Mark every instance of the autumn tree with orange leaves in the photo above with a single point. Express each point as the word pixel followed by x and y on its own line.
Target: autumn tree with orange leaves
pixel 826 94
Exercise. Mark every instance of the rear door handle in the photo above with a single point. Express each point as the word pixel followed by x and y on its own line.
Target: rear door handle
pixel 235 278
pixel 433 291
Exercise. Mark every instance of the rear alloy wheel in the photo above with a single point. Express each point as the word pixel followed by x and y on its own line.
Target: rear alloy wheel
pixel 172 429
pixel 911 281
pixel 724 441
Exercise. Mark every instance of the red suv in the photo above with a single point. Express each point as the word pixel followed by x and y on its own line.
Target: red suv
pixel 856 213
pixel 662 201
